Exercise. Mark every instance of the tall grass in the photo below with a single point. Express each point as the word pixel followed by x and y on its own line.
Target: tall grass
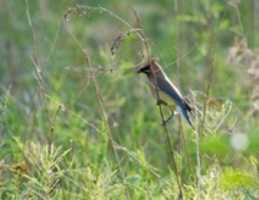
pixel 77 123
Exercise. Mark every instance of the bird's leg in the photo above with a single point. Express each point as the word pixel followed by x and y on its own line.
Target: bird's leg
pixel 162 102
pixel 172 108
pixel 169 118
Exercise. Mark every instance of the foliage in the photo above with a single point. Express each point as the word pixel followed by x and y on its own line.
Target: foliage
pixel 77 123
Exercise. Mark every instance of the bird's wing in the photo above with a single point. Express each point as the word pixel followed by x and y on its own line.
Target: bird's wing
pixel 169 89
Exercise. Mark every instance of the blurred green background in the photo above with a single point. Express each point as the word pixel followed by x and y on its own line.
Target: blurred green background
pixel 77 123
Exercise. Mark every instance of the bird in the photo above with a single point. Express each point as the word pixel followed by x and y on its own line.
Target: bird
pixel 164 90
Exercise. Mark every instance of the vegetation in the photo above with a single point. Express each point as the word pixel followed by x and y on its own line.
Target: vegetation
pixel 76 122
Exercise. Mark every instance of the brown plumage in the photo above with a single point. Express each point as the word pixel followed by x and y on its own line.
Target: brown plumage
pixel 163 89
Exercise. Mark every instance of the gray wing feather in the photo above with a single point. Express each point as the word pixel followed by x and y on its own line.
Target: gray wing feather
pixel 168 89
pixel 171 91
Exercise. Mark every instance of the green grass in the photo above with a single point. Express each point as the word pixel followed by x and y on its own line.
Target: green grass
pixel 77 123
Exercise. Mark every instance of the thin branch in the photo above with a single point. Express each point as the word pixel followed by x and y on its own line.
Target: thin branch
pixel 208 84
pixel 139 33
pixel 171 151
pixel 170 146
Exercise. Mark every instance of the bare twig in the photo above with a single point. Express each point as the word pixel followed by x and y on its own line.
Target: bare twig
pixel 117 40
pixel 139 32
pixel 171 151
pixel 38 72
pixel 35 57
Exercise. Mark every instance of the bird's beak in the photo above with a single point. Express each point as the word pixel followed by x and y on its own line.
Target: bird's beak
pixel 138 69
pixel 132 70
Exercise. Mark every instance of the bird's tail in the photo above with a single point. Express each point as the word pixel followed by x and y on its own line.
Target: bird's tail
pixel 185 111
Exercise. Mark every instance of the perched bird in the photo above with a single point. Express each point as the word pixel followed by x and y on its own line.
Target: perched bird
pixel 164 90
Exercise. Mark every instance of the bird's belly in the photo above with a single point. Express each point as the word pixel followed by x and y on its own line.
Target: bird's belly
pixel 166 98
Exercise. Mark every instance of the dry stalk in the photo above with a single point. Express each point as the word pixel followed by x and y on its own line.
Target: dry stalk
pixel 208 84
pixel 38 72
pixel 170 146
pixel 171 152
pixel 35 57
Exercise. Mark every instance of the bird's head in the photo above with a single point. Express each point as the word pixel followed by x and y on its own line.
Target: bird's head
pixel 150 68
